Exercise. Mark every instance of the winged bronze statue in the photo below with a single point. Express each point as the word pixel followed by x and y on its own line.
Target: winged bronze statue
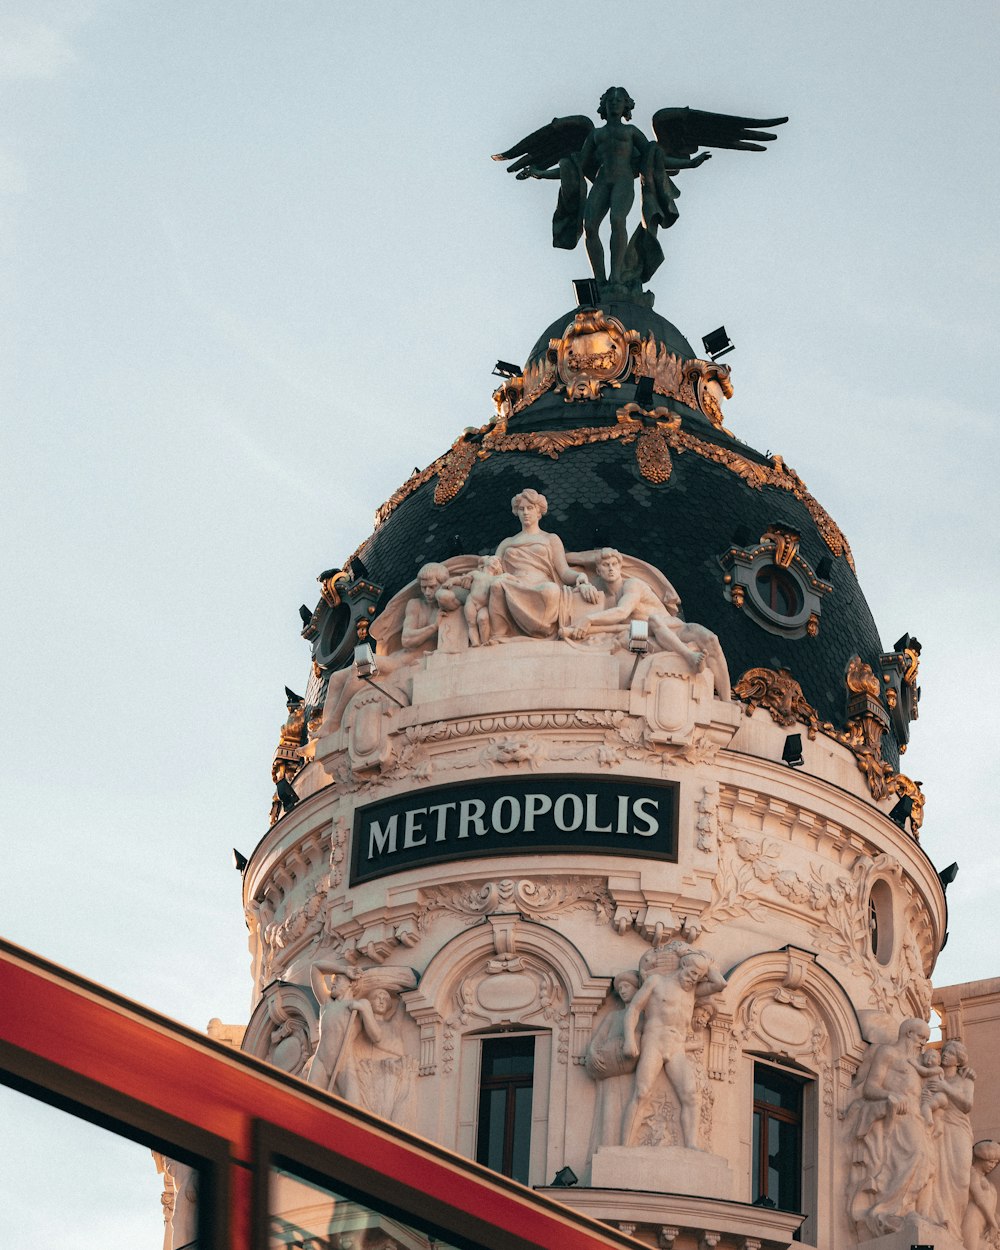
pixel 609 158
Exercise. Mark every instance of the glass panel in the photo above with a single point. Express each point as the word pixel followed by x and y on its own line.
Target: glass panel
pixel 755 1151
pixel 520 1154
pixel 783 1164
pixel 492 1108
pixel 71 1185
pixel 777 1090
pixel 508 1056
pixel 311 1217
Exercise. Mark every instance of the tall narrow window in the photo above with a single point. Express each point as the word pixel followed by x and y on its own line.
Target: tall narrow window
pixel 777 1138
pixel 505 1085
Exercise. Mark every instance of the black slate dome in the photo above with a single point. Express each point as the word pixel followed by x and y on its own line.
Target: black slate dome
pixel 720 495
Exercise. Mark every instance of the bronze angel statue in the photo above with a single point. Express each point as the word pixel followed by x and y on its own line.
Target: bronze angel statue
pixel 610 158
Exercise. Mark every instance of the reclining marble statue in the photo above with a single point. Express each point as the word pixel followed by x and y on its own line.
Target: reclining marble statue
pixel 530 589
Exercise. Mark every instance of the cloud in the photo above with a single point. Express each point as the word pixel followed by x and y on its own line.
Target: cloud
pixel 32 50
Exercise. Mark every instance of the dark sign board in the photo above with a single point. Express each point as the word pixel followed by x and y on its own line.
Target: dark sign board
pixel 508 816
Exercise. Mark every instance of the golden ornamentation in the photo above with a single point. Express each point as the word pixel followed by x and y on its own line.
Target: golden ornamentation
pixel 329 591
pixel 812 625
pixel 697 391
pixel 287 754
pixel 780 694
pixel 912 654
pixel 861 679
pixel 592 353
pixel 454 469
pixel 774 473
pixel 651 359
pixel 738 596
pixel 786 543
pixel 906 788
pixel 517 393
pixel 652 451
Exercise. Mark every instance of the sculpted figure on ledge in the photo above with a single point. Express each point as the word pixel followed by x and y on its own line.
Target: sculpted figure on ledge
pixel 572 151
pixel 529 589
pixel 666 1002
pixel 363 1048
pixel 607 1063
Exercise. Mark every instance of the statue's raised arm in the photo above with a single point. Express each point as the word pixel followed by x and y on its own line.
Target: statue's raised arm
pixel 609 158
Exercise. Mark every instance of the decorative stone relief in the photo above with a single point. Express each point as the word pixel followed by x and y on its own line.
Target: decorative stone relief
pixel 541 898
pixel 674 978
pixel 707 820
pixel 284 1027
pixel 750 866
pixel 367 1046
pixel 911 1138
pixel 980 1228
pixel 607 1064
pixel 296 931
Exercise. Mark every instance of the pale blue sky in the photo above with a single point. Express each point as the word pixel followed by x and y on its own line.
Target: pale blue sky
pixel 256 265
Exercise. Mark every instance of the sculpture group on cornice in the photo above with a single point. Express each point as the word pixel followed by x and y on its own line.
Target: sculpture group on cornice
pixel 531 589
pixel 911 1142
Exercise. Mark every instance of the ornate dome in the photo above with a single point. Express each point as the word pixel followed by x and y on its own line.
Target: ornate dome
pixel 751 553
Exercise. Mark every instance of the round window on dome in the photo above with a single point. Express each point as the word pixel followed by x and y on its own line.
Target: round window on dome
pixel 779 591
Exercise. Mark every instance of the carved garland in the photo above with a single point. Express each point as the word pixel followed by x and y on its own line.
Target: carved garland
pixel 655 437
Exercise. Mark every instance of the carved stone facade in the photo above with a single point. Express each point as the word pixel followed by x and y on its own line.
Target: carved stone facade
pixel 692 917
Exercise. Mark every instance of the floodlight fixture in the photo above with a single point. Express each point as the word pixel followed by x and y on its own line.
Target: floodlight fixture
pixel 638 637
pixel 239 861
pixel 791 753
pixel 585 292
pixel 365 664
pixel 305 614
pixel 644 392
pixel 718 343
pixel 286 794
pixel 504 369
pixel 564 1178
pixel 947 875
pixel 901 812
pixel 824 569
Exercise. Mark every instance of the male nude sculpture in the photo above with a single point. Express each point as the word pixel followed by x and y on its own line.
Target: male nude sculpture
pixel 667 1002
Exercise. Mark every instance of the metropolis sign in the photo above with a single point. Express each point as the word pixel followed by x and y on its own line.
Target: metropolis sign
pixel 510 816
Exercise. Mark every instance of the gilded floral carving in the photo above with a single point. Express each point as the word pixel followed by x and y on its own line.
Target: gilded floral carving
pixel 774 473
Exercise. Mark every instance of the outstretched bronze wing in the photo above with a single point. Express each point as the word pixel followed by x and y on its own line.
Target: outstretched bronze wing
pixel 682 131
pixel 545 147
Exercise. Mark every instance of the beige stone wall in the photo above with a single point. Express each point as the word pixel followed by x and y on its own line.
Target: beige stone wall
pixel 971 1012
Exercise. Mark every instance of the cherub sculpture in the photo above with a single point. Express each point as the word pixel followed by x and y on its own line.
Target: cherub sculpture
pixel 574 151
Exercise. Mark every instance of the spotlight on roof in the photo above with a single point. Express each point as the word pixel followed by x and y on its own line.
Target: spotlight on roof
pixel 791 753
pixel 365 664
pixel 585 292
pixel 239 861
pixel 824 568
pixel 947 875
pixel 638 637
pixel 504 369
pixel 564 1178
pixel 717 343
pixel 286 794
pixel 644 392
pixel 305 614
pixel 901 812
